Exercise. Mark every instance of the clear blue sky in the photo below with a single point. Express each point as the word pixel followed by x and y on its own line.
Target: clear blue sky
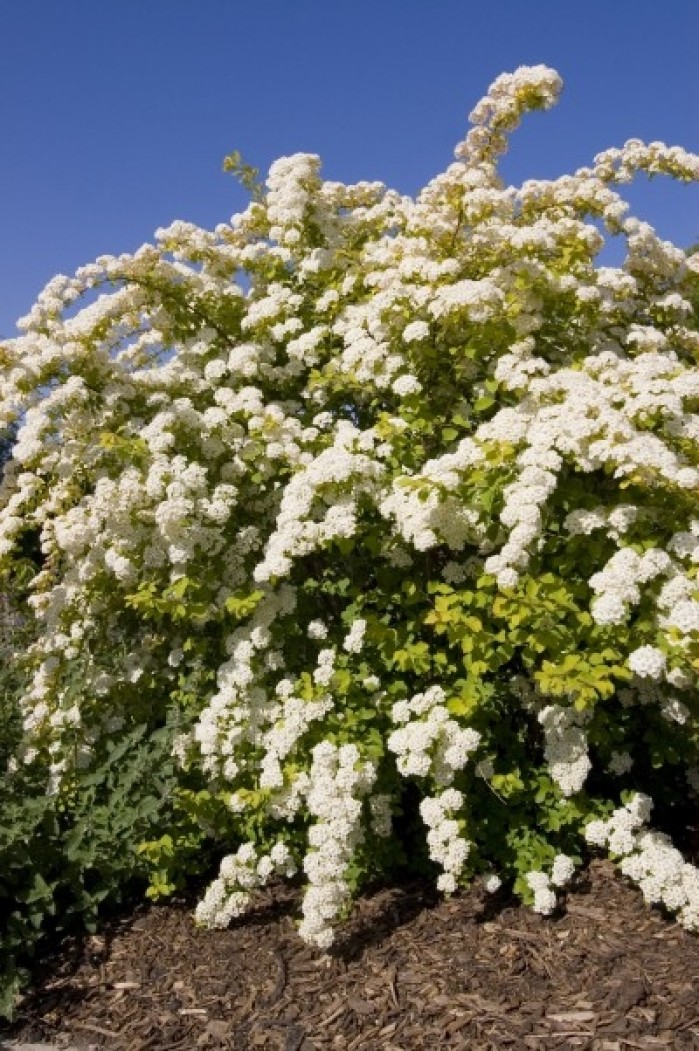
pixel 115 114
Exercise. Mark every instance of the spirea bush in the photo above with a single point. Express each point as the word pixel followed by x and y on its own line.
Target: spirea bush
pixel 393 502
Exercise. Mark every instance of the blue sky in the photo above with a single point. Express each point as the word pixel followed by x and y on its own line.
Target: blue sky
pixel 115 115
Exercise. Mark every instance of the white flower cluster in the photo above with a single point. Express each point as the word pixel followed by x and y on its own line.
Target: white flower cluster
pixel 425 511
pixel 428 741
pixel 338 783
pixel 354 638
pixel 541 883
pixel 648 662
pixel 297 533
pixel 616 586
pixel 618 831
pixel 295 715
pixel 677 605
pixel 565 746
pixel 685 616
pixel 416 331
pixel 239 710
pixel 616 521
pixel 673 709
pixel 649 859
pixel 447 845
pixel 500 111
pixel 240 874
pixel 562 870
pixel 591 414
pixel 522 511
pixel 544 897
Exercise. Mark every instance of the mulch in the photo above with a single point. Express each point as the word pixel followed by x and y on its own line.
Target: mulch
pixel 410 971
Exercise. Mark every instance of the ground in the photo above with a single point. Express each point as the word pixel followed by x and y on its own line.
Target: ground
pixel 410 971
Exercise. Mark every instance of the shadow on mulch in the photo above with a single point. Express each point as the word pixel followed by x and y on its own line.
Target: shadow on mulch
pixel 409 971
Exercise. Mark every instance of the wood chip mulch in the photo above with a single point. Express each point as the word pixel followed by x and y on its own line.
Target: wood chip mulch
pixel 410 971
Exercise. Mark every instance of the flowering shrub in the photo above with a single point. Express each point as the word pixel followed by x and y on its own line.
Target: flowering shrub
pixel 393 503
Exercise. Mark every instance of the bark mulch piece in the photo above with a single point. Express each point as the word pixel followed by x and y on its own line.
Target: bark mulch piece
pixel 410 971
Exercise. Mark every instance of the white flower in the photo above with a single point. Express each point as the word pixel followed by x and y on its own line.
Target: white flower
pixel 597 833
pixel 648 662
pixel 544 901
pixel 355 637
pixel 562 871
pixel 507 578
pixel 446 882
pixel 317 630
pixel 609 608
pixel 416 331
pixel 544 897
pixel 675 711
pixel 685 616
pixel 405 385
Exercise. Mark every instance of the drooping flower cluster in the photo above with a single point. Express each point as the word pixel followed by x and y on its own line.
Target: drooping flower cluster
pixel 240 874
pixel 357 488
pixel 427 741
pixel 338 782
pixel 649 859
pixel 566 746
pixel 448 847
pixel 541 883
